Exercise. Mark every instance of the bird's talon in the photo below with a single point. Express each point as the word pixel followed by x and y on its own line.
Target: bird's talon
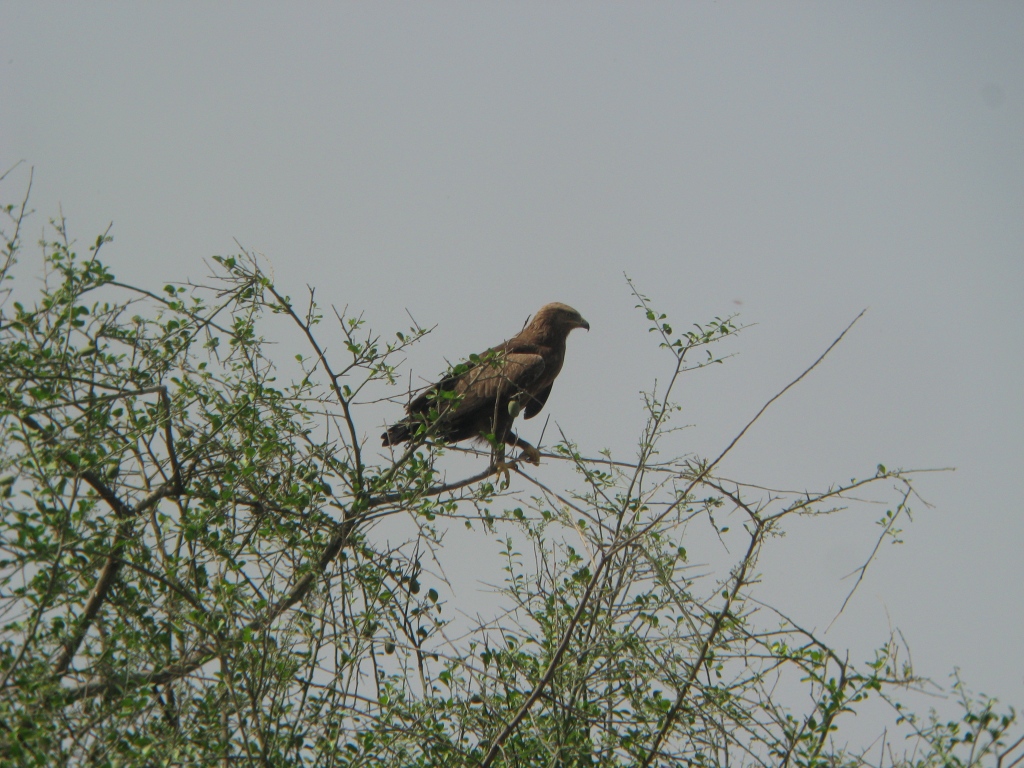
pixel 502 470
pixel 532 455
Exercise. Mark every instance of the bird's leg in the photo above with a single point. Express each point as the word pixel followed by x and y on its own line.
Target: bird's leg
pixel 498 462
pixel 498 439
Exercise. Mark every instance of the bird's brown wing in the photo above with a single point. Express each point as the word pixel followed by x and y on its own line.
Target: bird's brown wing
pixel 487 382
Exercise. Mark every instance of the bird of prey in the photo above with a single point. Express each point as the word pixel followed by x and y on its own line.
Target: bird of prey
pixel 481 398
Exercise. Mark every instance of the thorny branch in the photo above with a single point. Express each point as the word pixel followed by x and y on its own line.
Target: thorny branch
pixel 266 626
pixel 624 542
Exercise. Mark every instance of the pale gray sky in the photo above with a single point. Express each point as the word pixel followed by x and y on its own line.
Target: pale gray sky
pixel 795 162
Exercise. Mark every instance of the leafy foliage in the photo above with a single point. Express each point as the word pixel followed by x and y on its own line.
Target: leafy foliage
pixel 188 571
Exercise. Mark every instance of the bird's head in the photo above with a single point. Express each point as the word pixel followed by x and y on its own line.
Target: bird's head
pixel 561 316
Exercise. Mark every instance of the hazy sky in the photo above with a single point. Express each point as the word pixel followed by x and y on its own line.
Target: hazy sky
pixel 793 162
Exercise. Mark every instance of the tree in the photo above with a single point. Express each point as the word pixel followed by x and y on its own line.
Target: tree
pixel 190 571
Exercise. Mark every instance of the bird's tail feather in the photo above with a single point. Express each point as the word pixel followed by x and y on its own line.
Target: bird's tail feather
pixel 397 433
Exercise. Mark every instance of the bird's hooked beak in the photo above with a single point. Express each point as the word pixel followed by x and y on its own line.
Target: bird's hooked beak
pixel 583 324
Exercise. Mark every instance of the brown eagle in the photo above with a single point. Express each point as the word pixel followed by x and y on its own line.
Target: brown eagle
pixel 482 397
